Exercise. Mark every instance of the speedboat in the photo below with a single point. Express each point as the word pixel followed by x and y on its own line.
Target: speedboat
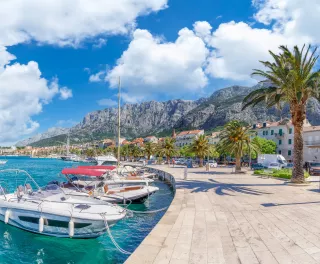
pixel 2 162
pixel 50 211
pixel 106 160
pixel 93 177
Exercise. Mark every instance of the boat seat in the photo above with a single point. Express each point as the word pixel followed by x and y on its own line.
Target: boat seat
pixel 28 188
pixel 20 192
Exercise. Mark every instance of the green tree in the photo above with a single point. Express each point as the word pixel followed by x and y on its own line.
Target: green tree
pixel 90 152
pixel 125 151
pixel 135 151
pixel 291 79
pixel 149 149
pixel 167 148
pixel 200 146
pixel 236 139
pixel 186 151
pixel 266 146
pixel 213 152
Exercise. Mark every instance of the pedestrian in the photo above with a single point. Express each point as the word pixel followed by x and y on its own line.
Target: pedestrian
pixel 173 162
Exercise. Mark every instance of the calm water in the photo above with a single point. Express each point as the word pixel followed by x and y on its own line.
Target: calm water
pixel 17 246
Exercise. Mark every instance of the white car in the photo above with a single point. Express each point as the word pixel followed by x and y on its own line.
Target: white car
pixel 274 166
pixel 213 164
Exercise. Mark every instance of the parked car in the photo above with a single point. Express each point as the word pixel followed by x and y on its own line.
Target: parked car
pixel 289 166
pixel 274 166
pixel 314 168
pixel 258 166
pixel 212 164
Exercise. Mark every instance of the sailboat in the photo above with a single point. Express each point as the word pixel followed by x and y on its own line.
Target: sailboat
pixel 70 157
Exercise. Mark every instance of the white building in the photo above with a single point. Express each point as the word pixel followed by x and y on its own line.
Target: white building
pixel 282 133
pixel 214 138
pixel 311 138
pixel 151 139
pixel 185 138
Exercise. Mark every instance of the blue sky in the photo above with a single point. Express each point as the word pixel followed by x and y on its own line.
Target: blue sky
pixel 218 53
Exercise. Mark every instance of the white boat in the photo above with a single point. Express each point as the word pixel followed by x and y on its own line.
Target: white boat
pixel 107 160
pixel 2 162
pixel 49 211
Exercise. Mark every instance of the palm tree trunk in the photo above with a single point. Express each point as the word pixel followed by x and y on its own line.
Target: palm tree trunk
pixel 201 162
pixel 298 172
pixel 298 113
pixel 238 163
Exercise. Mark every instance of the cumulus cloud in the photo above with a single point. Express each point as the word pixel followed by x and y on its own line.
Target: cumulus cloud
pixel 64 22
pixel 100 43
pixel 107 102
pixel 65 93
pixel 97 77
pixel 152 65
pixel 23 92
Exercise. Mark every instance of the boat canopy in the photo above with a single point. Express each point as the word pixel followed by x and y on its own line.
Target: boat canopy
pixel 97 167
pixel 86 172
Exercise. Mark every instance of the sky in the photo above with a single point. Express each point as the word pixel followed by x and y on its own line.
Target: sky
pixel 60 60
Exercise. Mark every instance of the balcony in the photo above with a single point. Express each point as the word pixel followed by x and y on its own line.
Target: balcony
pixel 312 143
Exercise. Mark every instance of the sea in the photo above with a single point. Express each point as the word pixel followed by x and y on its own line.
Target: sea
pixel 18 246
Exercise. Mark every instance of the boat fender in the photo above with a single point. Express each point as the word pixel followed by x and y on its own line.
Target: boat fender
pixel 71 228
pixel 7 216
pixel 41 224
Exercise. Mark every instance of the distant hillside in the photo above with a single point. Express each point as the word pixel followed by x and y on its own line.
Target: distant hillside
pixel 160 118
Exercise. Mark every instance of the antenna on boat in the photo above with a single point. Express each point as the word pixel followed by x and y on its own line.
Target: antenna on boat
pixel 68 143
pixel 119 99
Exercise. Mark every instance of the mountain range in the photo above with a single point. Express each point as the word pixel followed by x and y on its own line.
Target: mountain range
pixel 160 118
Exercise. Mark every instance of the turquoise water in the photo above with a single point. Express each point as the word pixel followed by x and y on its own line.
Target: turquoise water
pixel 18 246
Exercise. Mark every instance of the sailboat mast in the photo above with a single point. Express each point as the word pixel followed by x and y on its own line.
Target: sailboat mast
pixel 119 98
pixel 68 144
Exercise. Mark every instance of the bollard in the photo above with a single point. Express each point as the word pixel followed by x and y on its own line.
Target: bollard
pixel 185 173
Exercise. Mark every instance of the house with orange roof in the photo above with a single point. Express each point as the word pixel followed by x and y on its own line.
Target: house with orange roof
pixel 186 138
pixel 137 142
pixel 214 138
pixel 151 139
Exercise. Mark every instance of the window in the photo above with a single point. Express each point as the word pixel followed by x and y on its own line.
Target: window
pixel 266 133
pixel 289 152
pixel 279 152
pixel 280 141
pixel 280 131
pixel 272 132
pixel 289 141
pixel 290 130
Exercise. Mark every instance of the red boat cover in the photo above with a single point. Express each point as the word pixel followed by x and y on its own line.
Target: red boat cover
pixel 86 172
pixel 98 167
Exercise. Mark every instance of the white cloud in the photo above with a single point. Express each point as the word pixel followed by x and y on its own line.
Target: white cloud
pixel 131 99
pixel 107 102
pixel 23 92
pixel 98 77
pixel 151 65
pixel 100 43
pixel 69 22
pixel 65 93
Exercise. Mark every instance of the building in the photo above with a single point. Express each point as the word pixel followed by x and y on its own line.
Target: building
pixel 151 139
pixel 281 132
pixel 137 142
pixel 214 138
pixel 185 138
pixel 311 140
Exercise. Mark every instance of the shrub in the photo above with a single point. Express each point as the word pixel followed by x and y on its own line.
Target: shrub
pixel 283 173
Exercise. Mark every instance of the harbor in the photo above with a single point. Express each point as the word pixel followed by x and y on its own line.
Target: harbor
pixel 100 250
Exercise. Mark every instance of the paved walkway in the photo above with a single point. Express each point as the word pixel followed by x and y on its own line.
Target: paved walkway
pixel 219 217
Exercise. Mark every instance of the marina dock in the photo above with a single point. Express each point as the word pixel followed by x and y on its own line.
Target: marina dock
pixel 220 217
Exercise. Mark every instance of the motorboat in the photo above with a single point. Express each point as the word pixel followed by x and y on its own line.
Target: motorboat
pixel 106 160
pixel 50 211
pixel 2 162
pixel 84 177
pixel 71 157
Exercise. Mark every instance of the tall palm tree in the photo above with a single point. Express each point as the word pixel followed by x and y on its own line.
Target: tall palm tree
pixel 167 148
pixel 291 79
pixel 149 149
pixel 236 139
pixel 200 146
pixel 135 152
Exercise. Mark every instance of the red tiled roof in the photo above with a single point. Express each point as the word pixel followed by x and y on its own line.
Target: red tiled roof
pixel 190 132
pixel 311 128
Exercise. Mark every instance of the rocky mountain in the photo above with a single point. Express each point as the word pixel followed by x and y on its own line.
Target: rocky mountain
pixel 160 118
pixel 51 132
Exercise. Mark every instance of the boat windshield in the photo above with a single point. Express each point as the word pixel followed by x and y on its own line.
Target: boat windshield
pixel 109 162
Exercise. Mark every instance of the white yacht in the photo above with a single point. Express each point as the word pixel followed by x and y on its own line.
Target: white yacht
pixel 106 160
pixel 50 211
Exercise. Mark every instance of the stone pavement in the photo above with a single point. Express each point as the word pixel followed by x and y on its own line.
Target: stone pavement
pixel 219 217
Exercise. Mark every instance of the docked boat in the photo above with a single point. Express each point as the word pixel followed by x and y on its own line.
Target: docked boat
pixel 50 211
pixel 107 160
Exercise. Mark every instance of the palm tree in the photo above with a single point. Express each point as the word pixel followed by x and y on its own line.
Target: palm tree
pixel 135 151
pixel 292 80
pixel 167 148
pixel 125 151
pixel 149 149
pixel 236 139
pixel 200 146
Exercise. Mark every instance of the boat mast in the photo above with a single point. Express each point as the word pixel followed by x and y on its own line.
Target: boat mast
pixel 119 98
pixel 68 144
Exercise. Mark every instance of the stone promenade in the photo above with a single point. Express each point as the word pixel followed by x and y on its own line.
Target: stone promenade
pixel 220 217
